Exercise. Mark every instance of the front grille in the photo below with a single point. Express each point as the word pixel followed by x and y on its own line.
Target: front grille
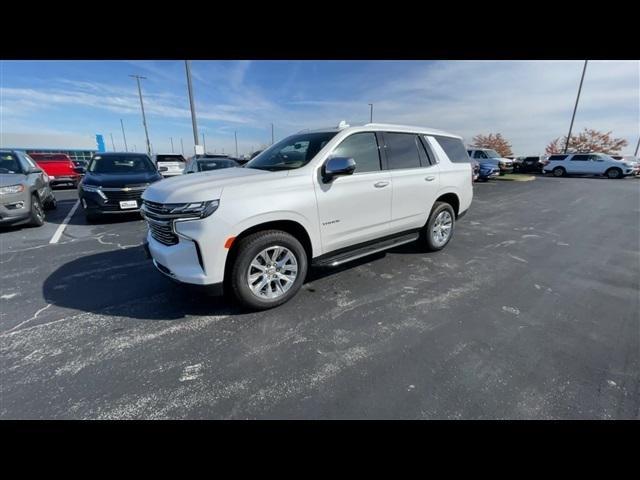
pixel 162 231
pixel 116 195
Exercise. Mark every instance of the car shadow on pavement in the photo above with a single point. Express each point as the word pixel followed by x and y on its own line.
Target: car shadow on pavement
pixel 125 283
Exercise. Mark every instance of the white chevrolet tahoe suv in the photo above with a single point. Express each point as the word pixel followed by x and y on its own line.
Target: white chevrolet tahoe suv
pixel 316 198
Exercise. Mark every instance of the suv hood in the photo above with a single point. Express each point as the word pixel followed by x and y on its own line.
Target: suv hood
pixel 7 179
pixel 204 186
pixel 120 180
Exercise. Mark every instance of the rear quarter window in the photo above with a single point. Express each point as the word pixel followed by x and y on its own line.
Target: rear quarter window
pixel 557 158
pixel 454 148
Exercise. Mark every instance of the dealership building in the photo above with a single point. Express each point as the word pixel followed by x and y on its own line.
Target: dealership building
pixel 78 147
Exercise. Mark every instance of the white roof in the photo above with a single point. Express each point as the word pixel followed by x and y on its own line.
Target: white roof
pixel 390 127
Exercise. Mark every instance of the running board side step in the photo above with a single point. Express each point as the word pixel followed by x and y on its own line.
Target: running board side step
pixel 344 257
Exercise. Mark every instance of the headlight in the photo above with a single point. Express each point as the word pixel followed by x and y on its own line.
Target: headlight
pixel 93 189
pixel 11 189
pixel 202 209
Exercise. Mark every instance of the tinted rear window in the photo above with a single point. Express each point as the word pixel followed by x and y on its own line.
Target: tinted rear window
pixel 454 149
pixel 170 158
pixel 402 151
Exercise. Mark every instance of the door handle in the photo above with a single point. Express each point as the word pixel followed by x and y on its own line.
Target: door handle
pixel 380 184
pixel 430 178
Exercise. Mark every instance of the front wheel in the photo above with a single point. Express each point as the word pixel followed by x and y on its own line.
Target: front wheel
pixel 36 217
pixel 614 173
pixel 559 172
pixel 269 269
pixel 439 228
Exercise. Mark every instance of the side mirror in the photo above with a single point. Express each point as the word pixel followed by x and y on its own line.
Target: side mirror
pixel 337 166
pixel 80 170
pixel 35 170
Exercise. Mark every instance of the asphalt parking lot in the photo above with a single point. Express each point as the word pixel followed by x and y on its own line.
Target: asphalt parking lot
pixel 531 312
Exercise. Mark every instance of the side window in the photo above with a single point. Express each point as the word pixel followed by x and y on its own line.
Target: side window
pixel 454 149
pixel 363 148
pixel 401 150
pixel 557 158
pixel 580 158
pixel 479 154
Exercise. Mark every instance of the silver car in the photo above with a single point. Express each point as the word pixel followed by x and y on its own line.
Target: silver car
pixel 24 190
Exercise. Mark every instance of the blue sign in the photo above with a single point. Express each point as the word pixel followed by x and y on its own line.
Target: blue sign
pixel 100 143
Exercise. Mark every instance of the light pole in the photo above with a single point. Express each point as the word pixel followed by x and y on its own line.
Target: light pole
pixel 204 143
pixel 637 146
pixel 187 66
pixel 113 145
pixel 144 119
pixel 182 146
pixel 584 69
pixel 171 144
pixel 371 113
pixel 124 136
pixel 235 134
pixel 272 134
pixel 135 148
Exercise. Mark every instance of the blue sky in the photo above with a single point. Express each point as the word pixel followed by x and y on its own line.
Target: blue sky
pixel 529 102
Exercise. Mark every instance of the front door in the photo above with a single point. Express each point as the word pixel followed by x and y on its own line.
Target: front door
pixel 355 208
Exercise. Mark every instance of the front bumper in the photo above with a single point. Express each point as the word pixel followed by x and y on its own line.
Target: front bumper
pixel 11 212
pixel 506 169
pixel 199 257
pixel 92 202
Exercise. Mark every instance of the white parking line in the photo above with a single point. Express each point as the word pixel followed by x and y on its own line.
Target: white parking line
pixel 63 225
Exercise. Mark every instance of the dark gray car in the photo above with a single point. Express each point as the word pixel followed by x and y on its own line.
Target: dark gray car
pixel 24 190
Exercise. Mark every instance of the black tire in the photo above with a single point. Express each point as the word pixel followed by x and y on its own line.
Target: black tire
pixel 559 172
pixel 36 216
pixel 425 235
pixel 614 173
pixel 247 249
pixel 51 204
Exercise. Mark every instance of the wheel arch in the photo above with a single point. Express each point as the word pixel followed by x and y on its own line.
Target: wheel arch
pixel 292 227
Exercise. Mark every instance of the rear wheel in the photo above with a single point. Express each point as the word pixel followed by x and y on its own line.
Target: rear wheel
pixel 614 173
pixel 439 229
pixel 269 269
pixel 559 172
pixel 36 217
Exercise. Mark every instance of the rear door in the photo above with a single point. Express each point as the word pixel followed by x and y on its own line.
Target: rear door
pixel 415 178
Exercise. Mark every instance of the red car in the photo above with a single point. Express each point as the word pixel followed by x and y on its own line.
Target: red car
pixel 58 167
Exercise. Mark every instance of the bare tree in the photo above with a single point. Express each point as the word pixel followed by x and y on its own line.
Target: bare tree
pixel 588 140
pixel 494 141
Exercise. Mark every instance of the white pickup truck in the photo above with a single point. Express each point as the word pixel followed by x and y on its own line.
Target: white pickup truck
pixel 316 198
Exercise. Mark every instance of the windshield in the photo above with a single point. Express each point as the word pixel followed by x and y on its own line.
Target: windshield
pixel 9 163
pixel 121 164
pixel 292 152
pixel 206 165
pixel 492 154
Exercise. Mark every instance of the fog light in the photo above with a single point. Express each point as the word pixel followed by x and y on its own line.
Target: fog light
pixel 15 205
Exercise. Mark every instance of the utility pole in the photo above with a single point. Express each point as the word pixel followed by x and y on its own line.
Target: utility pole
pixel 187 66
pixel 204 143
pixel 182 146
pixel 135 149
pixel 272 134
pixel 637 146
pixel 566 145
pixel 144 119
pixel 235 134
pixel 371 113
pixel 171 144
pixel 124 136
pixel 113 145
